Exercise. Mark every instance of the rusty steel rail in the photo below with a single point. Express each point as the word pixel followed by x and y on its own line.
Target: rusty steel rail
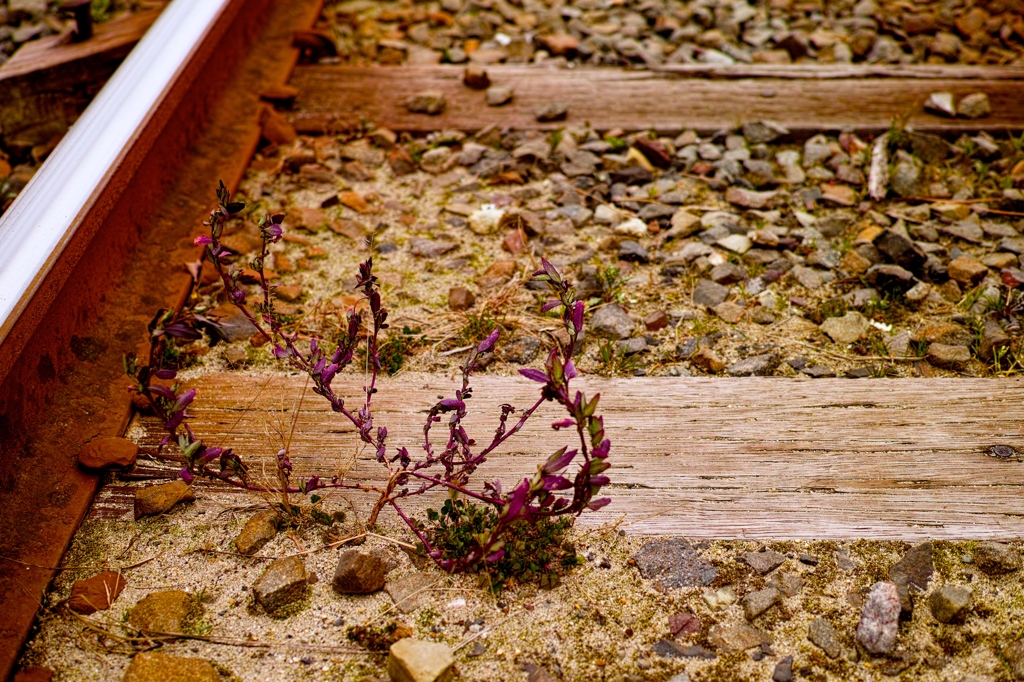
pixel 63 200
pixel 95 243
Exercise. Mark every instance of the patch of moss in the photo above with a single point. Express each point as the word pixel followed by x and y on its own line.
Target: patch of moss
pixel 195 622
pixel 426 617
pixel 877 557
pixel 379 638
pixel 731 573
pixel 947 557
pixel 292 609
pixel 725 667
pixel 534 553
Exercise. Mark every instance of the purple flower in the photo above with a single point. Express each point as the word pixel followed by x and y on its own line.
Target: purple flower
pixel 597 504
pixel 488 343
pixel 550 270
pixel 210 454
pixel 328 373
pixel 534 375
pixel 493 487
pixel 452 404
pixel 577 316
pixel 549 492
pixel 184 400
pixel 556 483
pixel 517 501
pixel 162 391
pixel 181 330
pixel 558 461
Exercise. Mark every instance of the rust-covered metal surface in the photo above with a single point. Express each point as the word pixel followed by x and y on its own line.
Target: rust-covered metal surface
pixel 66 386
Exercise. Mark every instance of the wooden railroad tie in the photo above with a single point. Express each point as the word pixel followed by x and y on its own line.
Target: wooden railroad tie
pixel 47 83
pixel 701 458
pixel 806 100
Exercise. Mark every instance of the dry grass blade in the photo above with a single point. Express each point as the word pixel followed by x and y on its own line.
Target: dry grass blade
pixel 143 641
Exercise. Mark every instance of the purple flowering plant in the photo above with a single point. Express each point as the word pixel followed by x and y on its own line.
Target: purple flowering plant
pixel 446 462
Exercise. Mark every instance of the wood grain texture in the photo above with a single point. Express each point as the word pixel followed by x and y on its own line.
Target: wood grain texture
pixel 47 83
pixel 711 458
pixel 831 71
pixel 118 35
pixel 338 97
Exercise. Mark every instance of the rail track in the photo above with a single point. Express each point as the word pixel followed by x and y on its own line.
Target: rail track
pixel 97 239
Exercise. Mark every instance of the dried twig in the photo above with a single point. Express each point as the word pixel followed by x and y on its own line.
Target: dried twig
pixel 147 640
pixel 879 358
pixel 485 631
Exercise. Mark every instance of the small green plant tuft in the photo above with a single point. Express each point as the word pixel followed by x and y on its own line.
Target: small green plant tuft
pixel 610 279
pixel 478 326
pixel 833 307
pixel 704 326
pixel 101 10
pixel 879 308
pixel 397 346
pixel 534 553
pixel 614 360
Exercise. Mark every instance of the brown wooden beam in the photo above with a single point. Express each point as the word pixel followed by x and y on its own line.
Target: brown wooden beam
pixel 942 72
pixel 47 83
pixel 338 97
pixel 702 458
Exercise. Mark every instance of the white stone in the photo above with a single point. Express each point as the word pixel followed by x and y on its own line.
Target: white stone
pixel 607 215
pixel 33 7
pixel 414 660
pixel 898 344
pixel 941 103
pixel 485 219
pixel 768 299
pixel 720 598
pixel 805 219
pixel 789 157
pixel 737 243
pixel 691 251
pixel 684 223
pixel 633 227
pixel 846 329
pixel 918 292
